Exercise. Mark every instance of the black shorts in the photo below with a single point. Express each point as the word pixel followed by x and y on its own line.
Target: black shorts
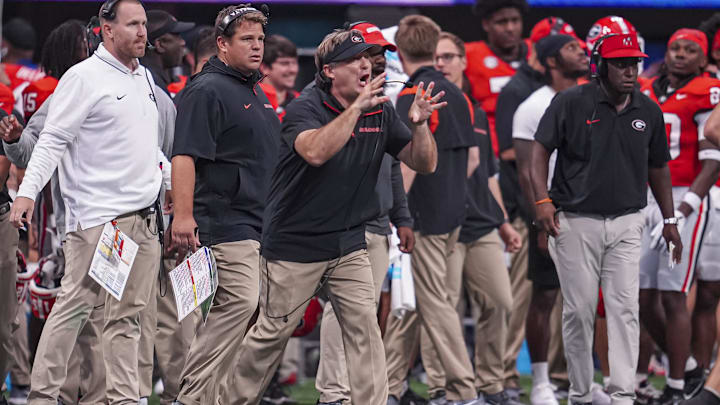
pixel 541 269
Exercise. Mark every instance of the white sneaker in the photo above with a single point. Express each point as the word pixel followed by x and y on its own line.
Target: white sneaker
pixel 599 396
pixel 477 401
pixel 159 387
pixel 543 394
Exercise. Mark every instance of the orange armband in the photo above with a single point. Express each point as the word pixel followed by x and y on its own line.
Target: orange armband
pixel 543 201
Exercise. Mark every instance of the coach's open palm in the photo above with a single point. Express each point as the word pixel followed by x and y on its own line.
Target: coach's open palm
pixel 425 103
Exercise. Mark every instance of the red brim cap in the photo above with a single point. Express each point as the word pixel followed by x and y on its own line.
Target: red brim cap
pixel 373 35
pixel 621 46
pixel 624 53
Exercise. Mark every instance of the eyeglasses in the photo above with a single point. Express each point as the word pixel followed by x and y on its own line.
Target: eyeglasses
pixel 446 57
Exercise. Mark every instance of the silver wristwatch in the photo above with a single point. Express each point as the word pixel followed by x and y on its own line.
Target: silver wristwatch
pixel 670 221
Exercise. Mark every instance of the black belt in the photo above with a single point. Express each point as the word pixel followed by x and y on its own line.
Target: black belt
pixel 143 213
pixel 4 208
pixel 605 216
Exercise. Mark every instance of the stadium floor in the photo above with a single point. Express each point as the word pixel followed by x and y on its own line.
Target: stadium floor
pixel 306 394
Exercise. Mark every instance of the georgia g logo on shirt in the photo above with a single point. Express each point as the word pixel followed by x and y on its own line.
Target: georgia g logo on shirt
pixel 639 125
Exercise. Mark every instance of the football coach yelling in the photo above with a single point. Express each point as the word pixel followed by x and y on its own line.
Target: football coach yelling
pixel 611 144
pixel 334 137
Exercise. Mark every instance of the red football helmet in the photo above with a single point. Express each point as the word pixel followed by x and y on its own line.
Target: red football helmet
pixel 611 24
pixel 45 286
pixel 310 319
pixel 24 275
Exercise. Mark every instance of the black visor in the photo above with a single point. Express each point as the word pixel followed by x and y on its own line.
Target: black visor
pixel 352 46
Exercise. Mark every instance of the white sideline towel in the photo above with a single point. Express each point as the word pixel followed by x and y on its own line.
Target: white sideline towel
pixel 401 280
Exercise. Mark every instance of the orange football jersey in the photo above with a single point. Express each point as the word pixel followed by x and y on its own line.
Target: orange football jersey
pixel 488 74
pixel 35 94
pixel 19 74
pixel 175 87
pixel 685 112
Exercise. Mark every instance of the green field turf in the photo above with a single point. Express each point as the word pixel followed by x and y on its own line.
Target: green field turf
pixel 306 394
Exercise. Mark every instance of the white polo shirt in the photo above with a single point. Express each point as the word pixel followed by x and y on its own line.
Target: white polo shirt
pixel 527 118
pixel 101 133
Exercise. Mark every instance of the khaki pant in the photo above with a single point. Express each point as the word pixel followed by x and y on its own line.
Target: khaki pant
pixel 172 340
pixel 85 378
pixel 79 297
pixel 288 285
pixel 332 380
pixel 481 264
pixel 438 314
pixel 591 251
pixel 213 351
pixel 148 329
pixel 20 369
pixel 521 292
pixel 290 363
pixel 8 294
pixel 121 331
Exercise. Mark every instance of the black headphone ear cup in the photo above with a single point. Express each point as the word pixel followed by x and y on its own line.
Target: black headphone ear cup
pixel 108 10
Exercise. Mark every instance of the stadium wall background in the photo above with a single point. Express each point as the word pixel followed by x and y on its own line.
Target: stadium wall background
pixel 306 25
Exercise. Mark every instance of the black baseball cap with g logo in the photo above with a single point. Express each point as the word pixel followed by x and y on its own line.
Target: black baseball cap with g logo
pixel 352 46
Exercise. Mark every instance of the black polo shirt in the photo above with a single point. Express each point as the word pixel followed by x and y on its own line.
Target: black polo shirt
pixel 318 213
pixel 437 200
pixel 483 212
pixel 523 83
pixel 603 155
pixel 226 123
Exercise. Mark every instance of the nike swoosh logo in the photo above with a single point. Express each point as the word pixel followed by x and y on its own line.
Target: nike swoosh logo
pixel 681 96
pixel 247 106
pixel 121 97
pixel 591 122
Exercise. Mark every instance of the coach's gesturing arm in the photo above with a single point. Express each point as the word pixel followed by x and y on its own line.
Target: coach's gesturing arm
pixel 420 154
pixel 317 146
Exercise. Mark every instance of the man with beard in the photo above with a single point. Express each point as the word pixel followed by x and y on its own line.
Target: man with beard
pixel 166 48
pixel 686 99
pixel 611 144
pixel 565 62
pixel 101 121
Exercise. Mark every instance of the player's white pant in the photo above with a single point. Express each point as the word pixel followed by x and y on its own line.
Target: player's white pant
pixel 708 266
pixel 655 271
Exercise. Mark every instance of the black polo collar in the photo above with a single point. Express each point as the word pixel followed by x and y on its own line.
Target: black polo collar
pixel 602 97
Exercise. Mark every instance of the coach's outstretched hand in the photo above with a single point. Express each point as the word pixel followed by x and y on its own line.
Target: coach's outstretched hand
pixel 371 94
pixel 425 103
pixel 10 129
